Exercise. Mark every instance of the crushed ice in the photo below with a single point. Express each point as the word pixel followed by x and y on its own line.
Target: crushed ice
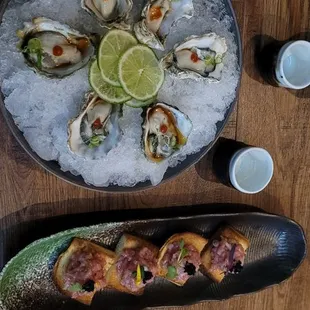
pixel 42 107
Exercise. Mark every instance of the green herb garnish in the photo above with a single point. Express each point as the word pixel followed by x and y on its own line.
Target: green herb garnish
pixel 210 60
pixel 153 143
pixel 34 46
pixel 183 251
pixel 76 287
pixel 142 272
pixel 139 274
pixel 218 59
pixel 95 141
pixel 173 141
pixel 172 272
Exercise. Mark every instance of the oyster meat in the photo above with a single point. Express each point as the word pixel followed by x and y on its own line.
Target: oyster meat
pixel 54 49
pixel 166 130
pixel 197 57
pixel 158 17
pixel 96 130
pixel 110 13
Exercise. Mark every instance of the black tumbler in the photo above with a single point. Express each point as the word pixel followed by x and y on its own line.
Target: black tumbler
pixel 244 167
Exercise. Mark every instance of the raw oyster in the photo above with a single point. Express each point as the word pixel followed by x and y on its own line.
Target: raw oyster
pixel 166 130
pixel 54 49
pixel 197 57
pixel 110 13
pixel 157 19
pixel 96 130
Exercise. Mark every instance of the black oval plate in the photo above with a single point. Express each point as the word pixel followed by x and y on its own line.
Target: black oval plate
pixel 277 247
pixel 54 168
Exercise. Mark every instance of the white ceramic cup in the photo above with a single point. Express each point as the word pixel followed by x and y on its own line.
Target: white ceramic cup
pixel 293 65
pixel 250 170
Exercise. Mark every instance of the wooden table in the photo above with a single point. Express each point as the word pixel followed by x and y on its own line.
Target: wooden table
pixel 273 118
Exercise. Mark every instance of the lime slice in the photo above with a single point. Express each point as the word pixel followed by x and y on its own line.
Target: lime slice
pixel 105 90
pixel 134 103
pixel 112 47
pixel 140 73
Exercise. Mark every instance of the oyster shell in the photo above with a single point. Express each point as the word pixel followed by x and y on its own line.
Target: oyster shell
pixel 54 49
pixel 166 130
pixel 158 17
pixel 110 13
pixel 197 57
pixel 96 130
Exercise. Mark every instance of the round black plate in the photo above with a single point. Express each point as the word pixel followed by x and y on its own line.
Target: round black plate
pixel 54 168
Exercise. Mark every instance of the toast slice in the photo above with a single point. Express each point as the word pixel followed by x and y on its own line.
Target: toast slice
pixel 127 242
pixel 189 238
pixel 206 260
pixel 63 260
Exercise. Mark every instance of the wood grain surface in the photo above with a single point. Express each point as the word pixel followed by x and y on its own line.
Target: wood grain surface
pixel 269 117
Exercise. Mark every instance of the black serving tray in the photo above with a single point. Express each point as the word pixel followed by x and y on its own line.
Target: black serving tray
pixel 277 248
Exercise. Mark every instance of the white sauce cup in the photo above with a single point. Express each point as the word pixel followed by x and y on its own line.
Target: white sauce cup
pixel 250 170
pixel 293 65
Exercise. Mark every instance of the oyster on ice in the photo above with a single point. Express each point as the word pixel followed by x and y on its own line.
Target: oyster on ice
pixel 158 17
pixel 166 130
pixel 108 12
pixel 96 130
pixel 197 57
pixel 54 49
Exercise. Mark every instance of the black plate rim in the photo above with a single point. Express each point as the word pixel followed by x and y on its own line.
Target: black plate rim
pixel 54 168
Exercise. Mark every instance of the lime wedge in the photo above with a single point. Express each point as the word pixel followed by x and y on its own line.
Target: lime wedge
pixel 134 103
pixel 140 73
pixel 112 47
pixel 105 90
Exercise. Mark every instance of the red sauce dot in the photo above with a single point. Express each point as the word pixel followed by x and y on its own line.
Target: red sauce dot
pixel 83 44
pixel 97 124
pixel 194 57
pixel 57 50
pixel 163 128
pixel 155 12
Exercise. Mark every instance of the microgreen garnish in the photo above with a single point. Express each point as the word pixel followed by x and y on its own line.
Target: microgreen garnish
pixel 75 287
pixel 153 142
pixel 95 141
pixel 34 46
pixel 139 274
pixel 218 59
pixel 173 141
pixel 172 272
pixel 210 60
pixel 142 272
pixel 183 251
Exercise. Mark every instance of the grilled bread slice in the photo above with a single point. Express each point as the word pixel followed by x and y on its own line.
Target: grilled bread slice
pixel 206 260
pixel 59 270
pixel 189 238
pixel 127 242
